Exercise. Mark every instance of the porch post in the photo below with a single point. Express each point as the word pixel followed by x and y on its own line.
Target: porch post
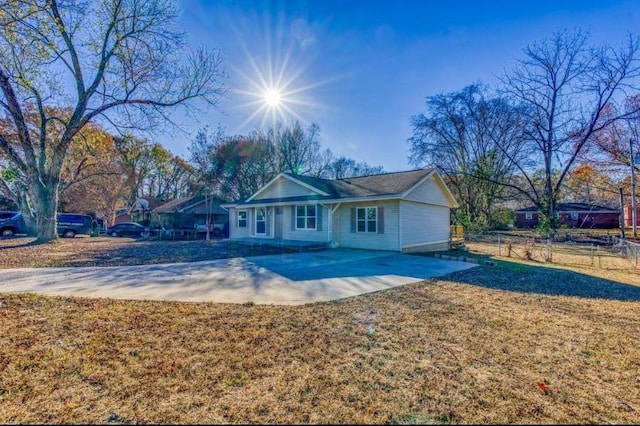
pixel 330 221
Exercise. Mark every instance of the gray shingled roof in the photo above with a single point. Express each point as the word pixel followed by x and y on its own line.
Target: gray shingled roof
pixel 173 205
pixel 385 184
pixel 181 203
pixel 367 186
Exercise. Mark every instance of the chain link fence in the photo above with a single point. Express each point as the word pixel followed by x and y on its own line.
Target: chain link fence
pixel 604 252
pixel 629 250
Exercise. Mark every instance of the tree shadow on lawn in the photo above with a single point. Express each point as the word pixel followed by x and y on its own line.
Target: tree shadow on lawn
pixel 518 277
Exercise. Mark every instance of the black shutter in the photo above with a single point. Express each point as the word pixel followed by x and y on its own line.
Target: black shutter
pixel 380 220
pixel 267 221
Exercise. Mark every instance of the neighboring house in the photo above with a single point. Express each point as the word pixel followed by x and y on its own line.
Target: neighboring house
pixel 191 213
pixel 574 215
pixel 403 211
pixel 628 216
pixel 139 212
pixel 122 215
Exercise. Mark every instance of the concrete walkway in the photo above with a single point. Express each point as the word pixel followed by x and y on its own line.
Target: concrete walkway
pixel 288 279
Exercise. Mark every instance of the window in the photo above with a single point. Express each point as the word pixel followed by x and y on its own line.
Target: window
pixel 7 215
pixel 306 217
pixel 528 216
pixel 261 222
pixel 367 219
pixel 242 218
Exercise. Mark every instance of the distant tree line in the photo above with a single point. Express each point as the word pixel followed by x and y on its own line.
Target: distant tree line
pixel 103 173
pixel 236 166
pixel 556 128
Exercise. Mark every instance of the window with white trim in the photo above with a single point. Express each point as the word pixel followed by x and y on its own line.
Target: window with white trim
pixel 528 216
pixel 306 217
pixel 242 218
pixel 367 219
pixel 261 222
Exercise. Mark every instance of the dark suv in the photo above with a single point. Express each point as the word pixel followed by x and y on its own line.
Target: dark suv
pixel 11 223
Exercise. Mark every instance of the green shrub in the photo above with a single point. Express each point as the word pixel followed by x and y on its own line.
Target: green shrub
pixel 502 219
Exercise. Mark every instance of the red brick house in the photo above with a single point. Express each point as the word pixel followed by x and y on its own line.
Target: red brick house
pixel 573 215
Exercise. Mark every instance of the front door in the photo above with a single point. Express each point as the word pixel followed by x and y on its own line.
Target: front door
pixel 261 221
pixel 277 232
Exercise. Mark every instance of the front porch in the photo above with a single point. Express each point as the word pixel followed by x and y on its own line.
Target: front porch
pixel 296 245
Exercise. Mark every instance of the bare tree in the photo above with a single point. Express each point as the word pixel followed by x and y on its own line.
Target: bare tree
pixel 343 168
pixel 473 140
pixel 565 87
pixel 117 60
pixel 297 150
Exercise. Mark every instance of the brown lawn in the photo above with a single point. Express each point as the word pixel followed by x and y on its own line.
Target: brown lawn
pixel 108 251
pixel 512 343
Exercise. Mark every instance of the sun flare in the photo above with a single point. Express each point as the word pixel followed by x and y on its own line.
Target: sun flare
pixel 275 81
pixel 272 97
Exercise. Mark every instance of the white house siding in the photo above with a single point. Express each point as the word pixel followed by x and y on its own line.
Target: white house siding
pixel 290 233
pixel 424 226
pixel 283 188
pixel 428 192
pixel 234 231
pixel 389 240
pixel 249 232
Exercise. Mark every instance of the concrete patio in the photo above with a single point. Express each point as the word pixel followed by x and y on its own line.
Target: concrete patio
pixel 287 279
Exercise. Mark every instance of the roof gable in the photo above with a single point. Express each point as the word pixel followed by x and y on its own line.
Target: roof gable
pixel 285 185
pixel 433 190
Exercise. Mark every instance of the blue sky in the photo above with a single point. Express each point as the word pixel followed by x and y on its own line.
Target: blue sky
pixel 360 69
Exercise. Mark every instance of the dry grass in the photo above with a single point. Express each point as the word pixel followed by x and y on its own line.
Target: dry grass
pixel 594 261
pixel 107 251
pixel 513 343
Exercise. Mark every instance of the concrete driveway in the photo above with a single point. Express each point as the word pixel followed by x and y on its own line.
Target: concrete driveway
pixel 288 279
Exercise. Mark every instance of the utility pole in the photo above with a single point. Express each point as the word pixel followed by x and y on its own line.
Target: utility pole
pixel 633 190
pixel 621 214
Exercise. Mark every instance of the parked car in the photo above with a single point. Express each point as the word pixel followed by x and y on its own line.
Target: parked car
pixel 11 223
pixel 127 229
pixel 71 224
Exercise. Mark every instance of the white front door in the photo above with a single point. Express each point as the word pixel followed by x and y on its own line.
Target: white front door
pixel 277 232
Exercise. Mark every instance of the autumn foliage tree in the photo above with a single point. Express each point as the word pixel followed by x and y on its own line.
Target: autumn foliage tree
pixel 92 178
pixel 91 158
pixel 125 62
pixel 236 166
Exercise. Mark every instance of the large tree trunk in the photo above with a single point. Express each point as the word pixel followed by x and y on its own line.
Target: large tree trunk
pixel 44 203
pixel 27 214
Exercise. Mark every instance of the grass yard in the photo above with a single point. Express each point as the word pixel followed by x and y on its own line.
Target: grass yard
pixel 108 251
pixel 519 342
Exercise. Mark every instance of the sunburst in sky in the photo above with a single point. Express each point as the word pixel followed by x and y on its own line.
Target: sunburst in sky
pixel 272 83
pixel 273 95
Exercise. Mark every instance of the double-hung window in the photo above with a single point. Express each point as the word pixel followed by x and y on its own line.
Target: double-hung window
pixel 242 218
pixel 367 219
pixel 306 217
